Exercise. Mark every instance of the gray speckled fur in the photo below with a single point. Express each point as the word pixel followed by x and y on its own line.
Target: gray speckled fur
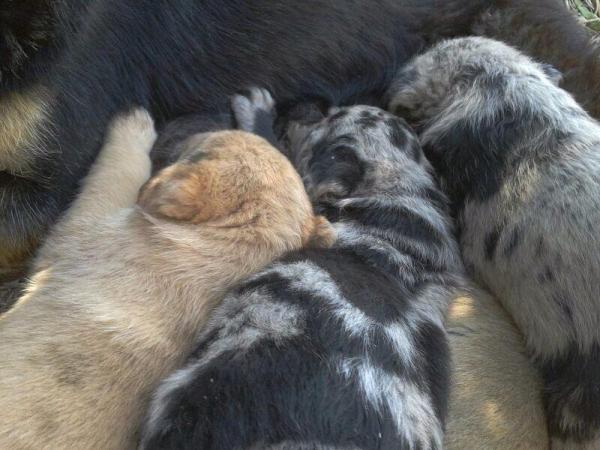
pixel 521 161
pixel 331 348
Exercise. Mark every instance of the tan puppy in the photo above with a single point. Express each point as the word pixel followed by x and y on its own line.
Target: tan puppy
pixel 494 399
pixel 120 289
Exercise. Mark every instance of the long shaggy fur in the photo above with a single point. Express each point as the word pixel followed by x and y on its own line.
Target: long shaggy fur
pixel 182 57
pixel 102 56
pixel 520 160
pixel 342 347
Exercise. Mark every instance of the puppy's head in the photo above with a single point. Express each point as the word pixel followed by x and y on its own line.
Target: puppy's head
pixel 460 68
pixel 351 151
pixel 233 180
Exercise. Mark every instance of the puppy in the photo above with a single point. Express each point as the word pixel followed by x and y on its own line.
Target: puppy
pixel 331 348
pixel 76 63
pixel 121 287
pixel 494 390
pixel 520 160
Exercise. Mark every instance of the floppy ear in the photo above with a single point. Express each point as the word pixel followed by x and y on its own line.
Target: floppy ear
pixel 190 192
pixel 552 73
pixel 322 234
pixel 335 171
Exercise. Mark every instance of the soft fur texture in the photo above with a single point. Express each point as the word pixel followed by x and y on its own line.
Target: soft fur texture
pixel 495 400
pixel 332 348
pixel 175 58
pixel 120 289
pixel 88 59
pixel 26 26
pixel 521 162
pixel 545 31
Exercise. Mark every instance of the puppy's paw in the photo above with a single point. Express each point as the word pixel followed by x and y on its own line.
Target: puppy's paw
pixel 133 130
pixel 250 107
pixel 254 111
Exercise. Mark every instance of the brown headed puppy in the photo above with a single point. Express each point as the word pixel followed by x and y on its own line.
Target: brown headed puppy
pixel 494 399
pixel 120 288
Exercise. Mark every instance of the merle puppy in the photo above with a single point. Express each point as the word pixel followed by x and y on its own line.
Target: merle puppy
pixel 333 348
pixel 520 160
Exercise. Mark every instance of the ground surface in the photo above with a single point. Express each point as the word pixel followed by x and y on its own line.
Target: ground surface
pixel 588 11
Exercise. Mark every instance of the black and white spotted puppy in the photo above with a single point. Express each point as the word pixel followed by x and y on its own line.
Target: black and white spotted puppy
pixel 520 159
pixel 337 348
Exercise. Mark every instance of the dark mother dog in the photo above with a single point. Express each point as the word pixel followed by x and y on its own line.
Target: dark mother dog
pixel 68 66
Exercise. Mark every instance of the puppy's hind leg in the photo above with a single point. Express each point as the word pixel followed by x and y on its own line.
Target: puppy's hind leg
pixel 123 165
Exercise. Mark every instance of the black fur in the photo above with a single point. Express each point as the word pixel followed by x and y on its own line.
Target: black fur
pixel 286 390
pixel 99 57
pixel 25 28
pixel 566 378
pixel 521 164
pixel 184 57
pixel 335 161
pixel 172 135
pixel 286 360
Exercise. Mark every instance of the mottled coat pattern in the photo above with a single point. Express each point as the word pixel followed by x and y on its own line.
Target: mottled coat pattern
pixel 342 347
pixel 66 67
pixel 520 160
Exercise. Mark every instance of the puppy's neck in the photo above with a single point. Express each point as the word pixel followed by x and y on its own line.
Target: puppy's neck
pixel 197 256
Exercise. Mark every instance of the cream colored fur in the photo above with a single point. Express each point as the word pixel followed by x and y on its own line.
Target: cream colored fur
pixel 22 122
pixel 495 402
pixel 119 290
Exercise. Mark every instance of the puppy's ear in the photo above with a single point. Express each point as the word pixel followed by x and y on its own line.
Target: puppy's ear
pixel 189 192
pixel 322 234
pixel 552 73
pixel 335 170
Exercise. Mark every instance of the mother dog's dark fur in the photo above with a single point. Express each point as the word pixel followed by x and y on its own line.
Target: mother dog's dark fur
pixel 89 59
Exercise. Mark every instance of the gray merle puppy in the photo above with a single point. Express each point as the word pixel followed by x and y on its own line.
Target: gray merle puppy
pixel 341 347
pixel 520 160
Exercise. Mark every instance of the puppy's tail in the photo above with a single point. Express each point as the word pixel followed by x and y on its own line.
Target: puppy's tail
pixel 322 234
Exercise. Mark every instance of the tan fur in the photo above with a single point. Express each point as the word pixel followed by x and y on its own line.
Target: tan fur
pixel 120 290
pixel 22 124
pixel 494 401
pixel 22 115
